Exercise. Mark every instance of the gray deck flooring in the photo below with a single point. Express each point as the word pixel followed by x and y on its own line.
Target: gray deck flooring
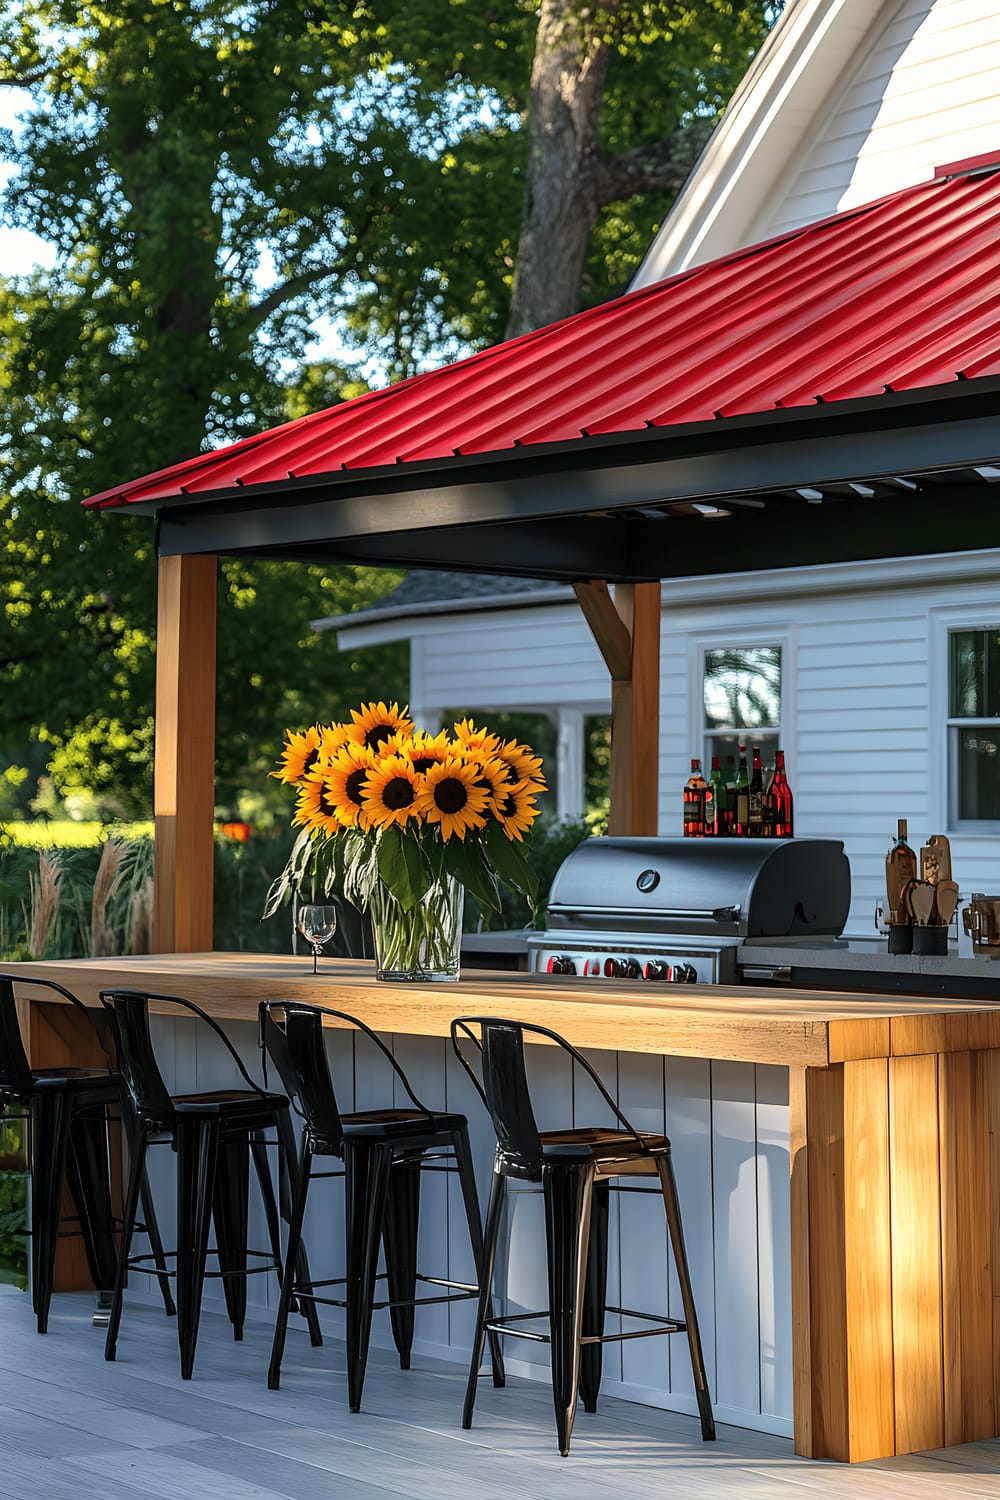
pixel 72 1426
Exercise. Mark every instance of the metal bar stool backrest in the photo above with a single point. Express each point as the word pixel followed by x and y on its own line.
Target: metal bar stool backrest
pixel 292 1035
pixel 15 1070
pixel 137 1057
pixel 504 1087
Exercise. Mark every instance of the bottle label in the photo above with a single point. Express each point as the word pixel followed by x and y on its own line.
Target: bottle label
pixel 743 807
pixel 709 810
pixel 756 809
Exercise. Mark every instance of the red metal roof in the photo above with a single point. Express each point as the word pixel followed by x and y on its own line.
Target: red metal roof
pixel 898 294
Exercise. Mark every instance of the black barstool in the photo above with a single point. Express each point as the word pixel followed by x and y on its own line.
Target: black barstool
pixel 383 1151
pixel 574 1168
pixel 214 1135
pixel 67 1110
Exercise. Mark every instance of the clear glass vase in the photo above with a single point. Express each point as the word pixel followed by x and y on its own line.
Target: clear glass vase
pixel 423 943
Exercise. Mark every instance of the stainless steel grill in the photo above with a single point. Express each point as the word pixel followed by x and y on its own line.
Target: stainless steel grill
pixel 682 911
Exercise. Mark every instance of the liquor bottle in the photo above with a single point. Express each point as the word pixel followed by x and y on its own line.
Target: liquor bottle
pixel 780 798
pixel 695 789
pixel 730 795
pixel 742 795
pixel 900 869
pixel 718 825
pixel 755 813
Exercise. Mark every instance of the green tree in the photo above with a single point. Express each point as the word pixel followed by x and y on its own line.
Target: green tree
pixel 213 179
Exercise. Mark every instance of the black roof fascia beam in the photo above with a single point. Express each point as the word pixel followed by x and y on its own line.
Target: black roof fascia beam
pixel 814 454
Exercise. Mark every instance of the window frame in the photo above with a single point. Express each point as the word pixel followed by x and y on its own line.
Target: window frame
pixel 744 636
pixel 954 622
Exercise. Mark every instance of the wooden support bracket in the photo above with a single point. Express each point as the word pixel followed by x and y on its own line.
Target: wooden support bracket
pixel 627 631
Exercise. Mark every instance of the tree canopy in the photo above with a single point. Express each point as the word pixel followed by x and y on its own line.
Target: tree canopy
pixel 218 181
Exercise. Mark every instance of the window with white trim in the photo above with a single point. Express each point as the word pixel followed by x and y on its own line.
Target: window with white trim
pixel 742 697
pixel 974 727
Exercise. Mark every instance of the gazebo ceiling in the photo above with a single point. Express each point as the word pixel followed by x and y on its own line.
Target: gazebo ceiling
pixel 824 396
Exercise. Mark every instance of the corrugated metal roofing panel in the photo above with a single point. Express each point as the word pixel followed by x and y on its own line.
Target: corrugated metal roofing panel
pixel 896 295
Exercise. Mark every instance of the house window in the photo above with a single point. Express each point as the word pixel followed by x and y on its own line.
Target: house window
pixel 742 692
pixel 974 725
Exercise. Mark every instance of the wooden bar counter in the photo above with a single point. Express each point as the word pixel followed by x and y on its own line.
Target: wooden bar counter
pixel 894 1126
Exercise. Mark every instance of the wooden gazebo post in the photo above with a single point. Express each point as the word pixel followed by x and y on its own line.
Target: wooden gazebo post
pixel 184 766
pixel 627 631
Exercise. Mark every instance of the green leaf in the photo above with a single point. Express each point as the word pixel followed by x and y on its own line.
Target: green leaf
pixel 464 861
pixel 401 867
pixel 509 862
pixel 292 875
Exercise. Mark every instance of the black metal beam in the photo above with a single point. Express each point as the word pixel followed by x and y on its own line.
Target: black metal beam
pixel 532 518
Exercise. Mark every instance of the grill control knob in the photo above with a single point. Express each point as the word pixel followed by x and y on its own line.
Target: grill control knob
pixel 657 968
pixel 622 968
pixel 560 963
pixel 685 974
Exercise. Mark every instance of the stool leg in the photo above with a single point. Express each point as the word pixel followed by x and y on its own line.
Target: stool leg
pixel 595 1297
pixel 287 1178
pixel 88 1172
pixel 567 1191
pixel 470 1197
pixel 672 1208
pixel 152 1228
pixel 136 1177
pixel 230 1207
pixel 49 1144
pixel 288 1277
pixel 367 1172
pixel 197 1164
pixel 399 1240
pixel 494 1214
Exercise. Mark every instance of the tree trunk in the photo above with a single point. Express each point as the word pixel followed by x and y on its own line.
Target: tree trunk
pixel 560 203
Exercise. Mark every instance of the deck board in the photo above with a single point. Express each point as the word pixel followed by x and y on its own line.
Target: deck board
pixel 72 1424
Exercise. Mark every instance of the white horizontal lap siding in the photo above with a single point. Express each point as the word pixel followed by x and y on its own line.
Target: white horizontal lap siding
pixel 922 93
pixel 855 714
pixel 531 657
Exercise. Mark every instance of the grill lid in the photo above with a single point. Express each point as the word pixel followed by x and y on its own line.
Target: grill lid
pixel 727 887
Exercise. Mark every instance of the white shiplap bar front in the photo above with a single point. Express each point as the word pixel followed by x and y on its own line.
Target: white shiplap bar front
pixel 728 1123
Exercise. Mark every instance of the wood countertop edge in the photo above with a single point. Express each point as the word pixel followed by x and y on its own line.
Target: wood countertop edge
pixel 787 1027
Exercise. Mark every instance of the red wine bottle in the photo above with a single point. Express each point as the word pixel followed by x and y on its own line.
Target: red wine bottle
pixel 781 799
pixel 755 805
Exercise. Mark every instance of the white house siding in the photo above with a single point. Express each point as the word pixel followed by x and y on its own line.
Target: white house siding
pixel 728 1125
pixel 923 94
pixel 864 690
pixel 508 659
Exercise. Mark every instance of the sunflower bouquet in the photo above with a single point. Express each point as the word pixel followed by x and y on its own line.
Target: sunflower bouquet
pixel 400 821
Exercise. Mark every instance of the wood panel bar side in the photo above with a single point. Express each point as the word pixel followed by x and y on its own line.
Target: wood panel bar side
pixel 798 1158
pixel 184 773
pixel 842 1285
pixel 915 1192
pixel 970 1409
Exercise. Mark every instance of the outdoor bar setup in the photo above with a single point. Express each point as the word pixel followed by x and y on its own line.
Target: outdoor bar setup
pixel 836 1144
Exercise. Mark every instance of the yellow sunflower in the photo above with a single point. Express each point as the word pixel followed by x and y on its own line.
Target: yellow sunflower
pixel 451 798
pixel 515 811
pixel 472 741
pixel 491 775
pixel 522 763
pixel 344 781
pixel 315 807
pixel 300 754
pixel 424 750
pixel 376 722
pixel 391 791
pixel 331 738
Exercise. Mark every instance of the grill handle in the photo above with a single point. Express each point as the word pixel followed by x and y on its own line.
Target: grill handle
pixel 668 913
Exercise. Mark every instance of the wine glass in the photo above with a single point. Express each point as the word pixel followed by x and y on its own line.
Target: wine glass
pixel 317 925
